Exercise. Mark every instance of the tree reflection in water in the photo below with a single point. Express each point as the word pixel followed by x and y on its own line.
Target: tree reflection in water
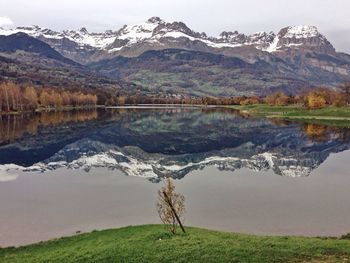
pixel 15 126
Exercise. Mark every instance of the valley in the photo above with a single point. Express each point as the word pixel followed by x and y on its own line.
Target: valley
pixel 159 58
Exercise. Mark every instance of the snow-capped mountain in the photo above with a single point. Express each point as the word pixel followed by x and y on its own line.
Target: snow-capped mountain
pixel 154 34
pixel 292 60
pixel 81 37
pixel 306 37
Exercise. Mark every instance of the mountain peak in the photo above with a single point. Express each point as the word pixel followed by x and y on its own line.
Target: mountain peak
pixel 299 32
pixel 30 28
pixel 155 20
pixel 83 30
pixel 307 37
pixel 157 32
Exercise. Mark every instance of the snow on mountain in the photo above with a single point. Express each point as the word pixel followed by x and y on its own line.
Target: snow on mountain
pixel 139 32
pixel 301 32
pixel 273 46
pixel 155 166
pixel 81 37
pixel 155 31
pixel 307 37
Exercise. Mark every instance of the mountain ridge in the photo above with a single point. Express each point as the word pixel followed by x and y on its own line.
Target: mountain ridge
pixel 24 42
pixel 155 31
pixel 296 57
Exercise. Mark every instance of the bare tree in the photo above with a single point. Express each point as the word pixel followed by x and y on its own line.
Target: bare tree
pixel 346 89
pixel 171 206
pixel 6 96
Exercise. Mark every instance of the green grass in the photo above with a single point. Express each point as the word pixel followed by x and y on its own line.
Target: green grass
pixel 152 243
pixel 328 115
pixel 203 80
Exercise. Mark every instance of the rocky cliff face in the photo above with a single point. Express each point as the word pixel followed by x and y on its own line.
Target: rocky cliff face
pixel 301 38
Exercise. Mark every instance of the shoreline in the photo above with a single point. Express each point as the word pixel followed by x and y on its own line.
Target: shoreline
pixel 153 243
pixel 330 114
pixel 67 183
pixel 39 110
pixel 75 231
pixel 127 106
pixel 291 112
pixel 72 234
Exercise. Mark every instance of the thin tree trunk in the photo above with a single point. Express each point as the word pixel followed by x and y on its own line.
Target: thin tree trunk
pixel 7 99
pixel 173 209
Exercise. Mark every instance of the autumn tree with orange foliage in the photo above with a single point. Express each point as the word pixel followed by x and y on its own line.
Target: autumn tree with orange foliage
pixel 16 98
pixel 30 98
pixel 278 99
pixel 10 97
pixel 249 101
pixel 315 100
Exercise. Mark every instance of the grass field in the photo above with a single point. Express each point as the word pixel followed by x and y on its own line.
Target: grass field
pixel 152 243
pixel 328 115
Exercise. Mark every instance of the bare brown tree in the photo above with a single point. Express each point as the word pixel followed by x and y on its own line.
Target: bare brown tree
pixel 346 89
pixel 171 206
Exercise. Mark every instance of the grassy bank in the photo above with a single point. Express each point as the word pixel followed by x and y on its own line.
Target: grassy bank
pixel 330 114
pixel 151 243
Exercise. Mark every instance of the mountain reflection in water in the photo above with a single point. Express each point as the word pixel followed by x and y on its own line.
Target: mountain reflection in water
pixel 157 142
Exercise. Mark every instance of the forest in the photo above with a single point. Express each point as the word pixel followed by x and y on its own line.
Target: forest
pixel 15 98
pixel 315 98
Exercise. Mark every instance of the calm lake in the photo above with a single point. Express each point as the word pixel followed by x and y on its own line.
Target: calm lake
pixel 63 172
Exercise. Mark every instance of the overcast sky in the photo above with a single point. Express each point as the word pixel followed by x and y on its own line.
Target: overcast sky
pixel 332 17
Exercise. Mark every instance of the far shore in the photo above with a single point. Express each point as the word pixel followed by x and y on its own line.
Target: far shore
pixel 51 109
pixel 334 115
pixel 70 108
pixel 327 115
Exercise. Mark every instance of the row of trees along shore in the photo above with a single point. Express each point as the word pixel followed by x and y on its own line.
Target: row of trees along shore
pixel 314 99
pixel 26 98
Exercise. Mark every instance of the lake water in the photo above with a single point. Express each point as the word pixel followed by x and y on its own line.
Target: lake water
pixel 65 172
